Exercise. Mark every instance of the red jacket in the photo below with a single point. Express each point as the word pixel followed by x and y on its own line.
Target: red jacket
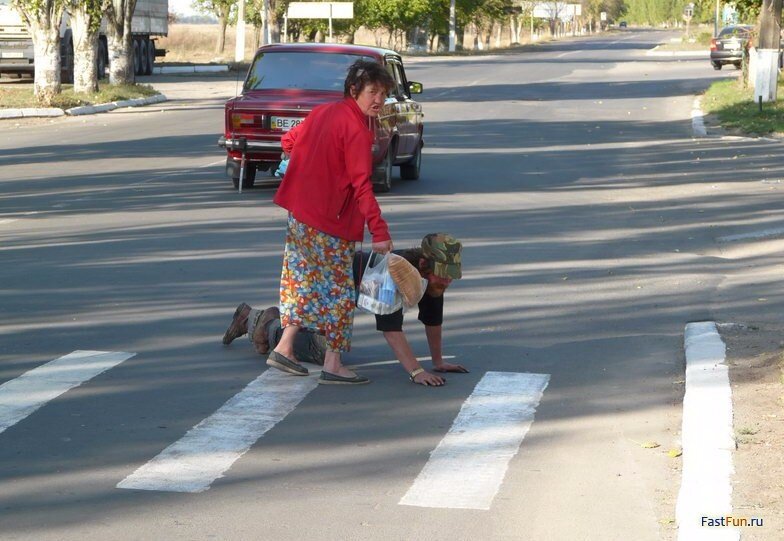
pixel 327 182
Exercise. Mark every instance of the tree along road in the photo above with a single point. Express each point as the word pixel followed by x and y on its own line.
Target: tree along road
pixel 592 225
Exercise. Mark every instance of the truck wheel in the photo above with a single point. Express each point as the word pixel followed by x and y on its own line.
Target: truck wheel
pixel 100 61
pixel 716 65
pixel 137 61
pixel 150 56
pixel 67 63
pixel 249 180
pixel 143 56
pixel 410 170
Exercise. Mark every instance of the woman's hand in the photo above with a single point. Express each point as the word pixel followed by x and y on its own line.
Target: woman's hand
pixel 429 380
pixel 382 247
pixel 449 367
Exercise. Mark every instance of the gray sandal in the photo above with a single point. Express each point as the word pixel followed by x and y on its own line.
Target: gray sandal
pixel 281 362
pixel 328 378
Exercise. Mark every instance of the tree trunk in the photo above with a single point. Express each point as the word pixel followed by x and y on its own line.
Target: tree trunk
pixel 220 46
pixel 118 33
pixel 275 30
pixel 120 58
pixel 46 47
pixel 85 52
pixel 256 37
pixel 43 22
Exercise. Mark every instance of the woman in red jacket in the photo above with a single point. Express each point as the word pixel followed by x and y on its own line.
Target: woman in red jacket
pixel 329 196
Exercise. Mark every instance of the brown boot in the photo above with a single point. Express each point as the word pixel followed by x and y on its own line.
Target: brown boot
pixel 239 324
pixel 260 336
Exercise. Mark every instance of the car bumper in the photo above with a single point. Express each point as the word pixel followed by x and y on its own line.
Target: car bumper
pixel 242 143
pixel 729 57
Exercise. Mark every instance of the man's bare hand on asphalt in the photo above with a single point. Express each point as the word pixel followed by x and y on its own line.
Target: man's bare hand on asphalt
pixel 449 367
pixel 429 380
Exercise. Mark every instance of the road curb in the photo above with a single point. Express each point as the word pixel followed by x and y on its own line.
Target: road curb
pixel 30 112
pixel 693 54
pixel 707 437
pixel 698 119
pixel 104 107
pixel 191 69
pixel 81 110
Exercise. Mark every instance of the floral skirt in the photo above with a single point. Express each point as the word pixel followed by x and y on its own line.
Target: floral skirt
pixel 317 285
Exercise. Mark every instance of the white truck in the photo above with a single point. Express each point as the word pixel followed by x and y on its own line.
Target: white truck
pixel 150 20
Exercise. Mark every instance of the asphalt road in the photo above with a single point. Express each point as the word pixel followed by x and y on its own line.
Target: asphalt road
pixel 594 228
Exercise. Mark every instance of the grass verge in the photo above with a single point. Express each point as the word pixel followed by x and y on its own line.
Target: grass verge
pixel 735 108
pixel 23 97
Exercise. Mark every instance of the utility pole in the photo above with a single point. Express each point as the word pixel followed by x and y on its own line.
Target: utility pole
pixel 452 23
pixel 768 51
pixel 266 36
pixel 716 20
pixel 239 48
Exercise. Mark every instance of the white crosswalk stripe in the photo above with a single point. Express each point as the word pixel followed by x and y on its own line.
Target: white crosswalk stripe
pixel 484 437
pixel 202 455
pixel 23 395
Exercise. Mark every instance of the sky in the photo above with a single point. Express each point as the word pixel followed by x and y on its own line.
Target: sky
pixel 183 7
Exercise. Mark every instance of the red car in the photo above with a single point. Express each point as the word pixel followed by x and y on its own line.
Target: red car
pixel 286 81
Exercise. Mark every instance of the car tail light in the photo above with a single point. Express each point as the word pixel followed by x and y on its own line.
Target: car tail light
pixel 242 120
pixel 713 44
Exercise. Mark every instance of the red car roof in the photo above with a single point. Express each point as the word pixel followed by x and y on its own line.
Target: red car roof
pixel 367 50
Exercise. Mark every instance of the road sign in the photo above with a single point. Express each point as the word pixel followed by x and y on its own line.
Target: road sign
pixel 320 10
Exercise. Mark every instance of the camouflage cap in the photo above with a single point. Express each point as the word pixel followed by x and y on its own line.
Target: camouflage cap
pixel 443 251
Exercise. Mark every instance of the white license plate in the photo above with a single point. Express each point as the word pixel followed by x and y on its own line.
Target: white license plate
pixel 12 54
pixel 284 123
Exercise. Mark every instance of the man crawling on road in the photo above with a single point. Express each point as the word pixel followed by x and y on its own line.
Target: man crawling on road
pixel 438 261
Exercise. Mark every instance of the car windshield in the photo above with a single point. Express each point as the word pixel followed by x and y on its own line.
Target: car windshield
pixel 734 32
pixel 306 70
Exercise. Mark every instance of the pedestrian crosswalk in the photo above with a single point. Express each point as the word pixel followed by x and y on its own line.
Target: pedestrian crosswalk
pixel 23 395
pixel 485 435
pixel 212 446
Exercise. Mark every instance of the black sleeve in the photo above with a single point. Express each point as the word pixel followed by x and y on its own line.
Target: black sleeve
pixel 431 310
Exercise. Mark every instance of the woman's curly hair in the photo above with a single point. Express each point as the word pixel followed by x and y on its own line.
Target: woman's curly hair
pixel 365 72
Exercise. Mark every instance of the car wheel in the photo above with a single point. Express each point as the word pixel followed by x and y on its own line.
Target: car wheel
pixel 716 65
pixel 248 181
pixel 738 65
pixel 410 170
pixel 382 181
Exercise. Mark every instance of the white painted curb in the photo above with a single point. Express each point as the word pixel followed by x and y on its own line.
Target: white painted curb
pixel 104 107
pixel 698 119
pixel 693 54
pixel 81 110
pixel 191 69
pixel 30 112
pixel 707 437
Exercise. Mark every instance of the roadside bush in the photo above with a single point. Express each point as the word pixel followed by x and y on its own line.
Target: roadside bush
pixel 703 38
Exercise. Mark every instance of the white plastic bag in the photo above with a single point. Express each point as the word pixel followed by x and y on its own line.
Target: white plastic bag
pixel 378 293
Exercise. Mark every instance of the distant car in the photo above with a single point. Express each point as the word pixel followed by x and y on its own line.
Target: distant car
pixel 622 24
pixel 286 81
pixel 728 46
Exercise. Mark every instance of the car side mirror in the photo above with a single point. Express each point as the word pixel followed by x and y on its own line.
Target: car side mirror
pixel 414 87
